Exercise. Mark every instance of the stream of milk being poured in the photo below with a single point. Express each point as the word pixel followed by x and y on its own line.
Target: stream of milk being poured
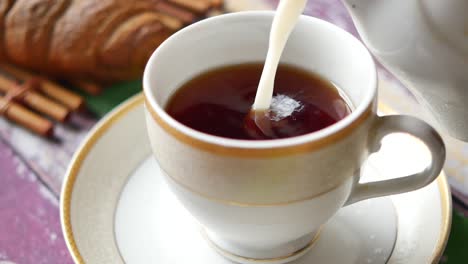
pixel 286 17
pixel 267 109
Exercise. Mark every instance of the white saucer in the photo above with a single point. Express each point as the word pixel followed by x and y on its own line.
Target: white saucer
pixel 115 208
pixel 152 227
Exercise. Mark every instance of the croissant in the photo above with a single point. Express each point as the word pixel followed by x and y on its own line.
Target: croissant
pixel 105 40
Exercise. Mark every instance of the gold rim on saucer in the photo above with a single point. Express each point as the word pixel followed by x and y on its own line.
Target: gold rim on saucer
pixel 107 122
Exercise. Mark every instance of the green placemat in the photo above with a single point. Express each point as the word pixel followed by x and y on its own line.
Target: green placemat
pixel 112 96
pixel 456 251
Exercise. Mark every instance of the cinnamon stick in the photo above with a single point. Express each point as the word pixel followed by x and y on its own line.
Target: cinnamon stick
pixel 51 89
pixel 89 87
pixel 22 116
pixel 26 93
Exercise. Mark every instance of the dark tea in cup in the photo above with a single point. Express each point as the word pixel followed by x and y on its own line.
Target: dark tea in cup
pixel 218 102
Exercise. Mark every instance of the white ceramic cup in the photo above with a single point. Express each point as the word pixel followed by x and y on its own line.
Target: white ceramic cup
pixel 263 201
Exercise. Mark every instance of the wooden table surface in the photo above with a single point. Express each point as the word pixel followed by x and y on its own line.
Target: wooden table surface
pixel 32 170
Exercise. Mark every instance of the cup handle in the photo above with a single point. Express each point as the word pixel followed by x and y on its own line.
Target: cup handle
pixel 385 125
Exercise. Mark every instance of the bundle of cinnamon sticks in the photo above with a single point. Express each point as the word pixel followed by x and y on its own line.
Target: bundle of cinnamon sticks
pixel 25 95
